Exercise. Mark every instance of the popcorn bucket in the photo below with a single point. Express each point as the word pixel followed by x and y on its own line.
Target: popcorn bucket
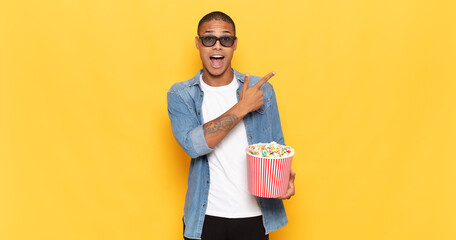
pixel 268 177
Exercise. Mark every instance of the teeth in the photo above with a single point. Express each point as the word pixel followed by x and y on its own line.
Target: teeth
pixel 217 56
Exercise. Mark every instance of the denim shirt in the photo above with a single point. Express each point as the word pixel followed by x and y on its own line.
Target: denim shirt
pixel 263 125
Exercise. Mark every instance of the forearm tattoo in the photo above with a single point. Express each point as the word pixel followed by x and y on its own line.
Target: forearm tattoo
pixel 223 123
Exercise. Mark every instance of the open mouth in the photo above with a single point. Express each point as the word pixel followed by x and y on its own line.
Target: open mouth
pixel 217 61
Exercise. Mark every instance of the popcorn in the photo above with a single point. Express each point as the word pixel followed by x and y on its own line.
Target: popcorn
pixel 269 150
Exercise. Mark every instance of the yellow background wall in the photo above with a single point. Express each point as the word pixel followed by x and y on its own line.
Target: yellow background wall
pixel 366 92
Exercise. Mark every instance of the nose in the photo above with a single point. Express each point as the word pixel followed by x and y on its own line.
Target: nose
pixel 217 44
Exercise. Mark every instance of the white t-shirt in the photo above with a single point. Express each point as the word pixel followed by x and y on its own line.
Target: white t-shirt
pixel 228 192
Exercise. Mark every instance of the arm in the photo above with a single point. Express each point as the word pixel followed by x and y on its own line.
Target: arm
pixel 186 127
pixel 277 136
pixel 251 98
pixel 198 140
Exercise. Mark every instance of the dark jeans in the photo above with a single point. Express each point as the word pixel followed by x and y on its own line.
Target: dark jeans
pixel 217 228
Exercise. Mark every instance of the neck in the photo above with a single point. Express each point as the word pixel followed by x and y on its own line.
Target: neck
pixel 218 80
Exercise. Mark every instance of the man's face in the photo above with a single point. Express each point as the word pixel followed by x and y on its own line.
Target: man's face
pixel 216 59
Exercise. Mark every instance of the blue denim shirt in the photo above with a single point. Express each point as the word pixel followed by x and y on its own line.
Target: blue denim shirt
pixel 263 125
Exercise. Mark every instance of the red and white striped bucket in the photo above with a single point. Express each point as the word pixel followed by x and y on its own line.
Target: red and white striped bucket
pixel 268 177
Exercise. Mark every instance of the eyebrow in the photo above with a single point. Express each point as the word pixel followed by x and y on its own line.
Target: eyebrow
pixel 211 31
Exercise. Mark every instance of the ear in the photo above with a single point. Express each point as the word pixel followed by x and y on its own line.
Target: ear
pixel 197 42
pixel 235 44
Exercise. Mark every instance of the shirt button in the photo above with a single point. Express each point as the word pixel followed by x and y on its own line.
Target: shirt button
pixel 198 113
pixel 204 205
pixel 207 182
pixel 201 95
pixel 261 203
pixel 250 137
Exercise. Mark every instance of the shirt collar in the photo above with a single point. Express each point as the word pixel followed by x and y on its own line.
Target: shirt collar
pixel 196 79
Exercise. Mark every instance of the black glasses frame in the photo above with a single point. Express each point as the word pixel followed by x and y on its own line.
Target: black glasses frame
pixel 217 39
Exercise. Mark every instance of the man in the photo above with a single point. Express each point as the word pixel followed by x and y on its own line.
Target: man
pixel 214 117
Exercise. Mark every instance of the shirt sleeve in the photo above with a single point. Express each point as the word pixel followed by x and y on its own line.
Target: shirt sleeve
pixel 277 133
pixel 186 127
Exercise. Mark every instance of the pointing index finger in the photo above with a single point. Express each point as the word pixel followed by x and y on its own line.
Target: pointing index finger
pixel 246 82
pixel 264 79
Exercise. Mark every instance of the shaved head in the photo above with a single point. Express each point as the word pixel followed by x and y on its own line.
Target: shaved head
pixel 216 16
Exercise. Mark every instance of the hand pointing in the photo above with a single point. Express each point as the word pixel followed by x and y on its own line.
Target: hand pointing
pixel 252 97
